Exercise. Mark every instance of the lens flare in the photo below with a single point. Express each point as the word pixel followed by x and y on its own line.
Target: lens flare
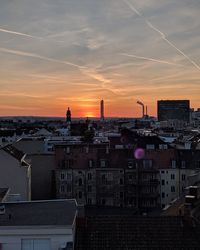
pixel 139 153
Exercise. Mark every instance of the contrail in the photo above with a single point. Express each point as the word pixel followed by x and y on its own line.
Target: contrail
pixel 18 33
pixel 163 36
pixel 27 54
pixel 150 59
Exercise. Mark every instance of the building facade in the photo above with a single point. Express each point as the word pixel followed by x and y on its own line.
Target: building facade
pixel 174 110
pixel 104 176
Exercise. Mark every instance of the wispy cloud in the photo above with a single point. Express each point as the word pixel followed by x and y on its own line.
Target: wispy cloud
pixel 150 59
pixel 162 35
pixel 21 94
pixel 105 82
pixel 28 54
pixel 19 33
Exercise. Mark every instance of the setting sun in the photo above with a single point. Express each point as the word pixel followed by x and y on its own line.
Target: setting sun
pixel 89 114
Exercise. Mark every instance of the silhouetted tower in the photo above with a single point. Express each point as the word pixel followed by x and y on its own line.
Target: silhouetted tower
pixel 102 110
pixel 68 116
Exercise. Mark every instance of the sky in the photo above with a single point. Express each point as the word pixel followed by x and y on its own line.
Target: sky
pixel 73 53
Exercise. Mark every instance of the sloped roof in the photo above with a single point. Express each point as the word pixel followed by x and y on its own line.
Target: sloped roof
pixel 43 131
pixel 17 154
pixel 35 213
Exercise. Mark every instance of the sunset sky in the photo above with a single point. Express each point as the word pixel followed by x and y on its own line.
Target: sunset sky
pixel 56 54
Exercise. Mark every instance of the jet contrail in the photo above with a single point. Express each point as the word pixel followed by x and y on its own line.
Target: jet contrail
pixel 18 33
pixel 163 36
pixel 28 54
pixel 150 59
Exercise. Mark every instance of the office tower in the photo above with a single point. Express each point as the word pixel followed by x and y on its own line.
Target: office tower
pixel 174 110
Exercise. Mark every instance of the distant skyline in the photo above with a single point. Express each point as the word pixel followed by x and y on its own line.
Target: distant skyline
pixel 73 53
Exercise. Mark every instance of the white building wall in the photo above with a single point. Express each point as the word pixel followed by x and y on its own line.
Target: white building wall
pixel 173 183
pixel 14 176
pixel 11 239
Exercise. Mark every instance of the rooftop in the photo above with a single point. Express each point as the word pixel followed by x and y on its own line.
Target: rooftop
pixel 35 213
pixel 133 232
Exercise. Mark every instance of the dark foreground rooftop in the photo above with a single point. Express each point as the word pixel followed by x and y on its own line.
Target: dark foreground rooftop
pixel 133 232
pixel 55 212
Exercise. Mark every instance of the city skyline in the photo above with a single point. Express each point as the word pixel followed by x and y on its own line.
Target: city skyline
pixel 75 53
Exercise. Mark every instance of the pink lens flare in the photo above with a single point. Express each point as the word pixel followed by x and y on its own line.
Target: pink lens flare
pixel 139 153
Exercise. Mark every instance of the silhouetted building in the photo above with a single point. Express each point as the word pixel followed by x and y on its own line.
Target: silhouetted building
pixel 102 110
pixel 174 110
pixel 68 116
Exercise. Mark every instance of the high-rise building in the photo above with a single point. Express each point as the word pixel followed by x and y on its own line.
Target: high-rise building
pixel 174 110
pixel 102 110
pixel 68 115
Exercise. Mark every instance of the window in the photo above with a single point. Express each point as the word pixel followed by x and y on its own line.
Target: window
pixel 62 176
pixel 69 176
pixel 163 182
pixel 90 163
pixel 172 176
pixel 109 176
pixel 163 195
pixel 172 189
pixel 89 176
pixel 150 146
pixel 68 150
pixel 69 163
pixel 121 182
pixel 130 177
pixel 103 179
pixel 80 182
pixel 197 164
pixel 103 202
pixel 69 188
pixel 183 164
pixel 183 177
pixel 62 188
pixel 147 163
pixel 103 163
pixel 62 164
pixel 89 201
pixel 130 164
pixel 80 195
pixel 121 195
pixel 162 172
pixel 163 146
pixel 173 163
pixel 87 150
pixel 35 244
pixel 89 188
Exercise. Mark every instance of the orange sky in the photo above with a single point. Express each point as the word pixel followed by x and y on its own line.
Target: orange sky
pixel 63 54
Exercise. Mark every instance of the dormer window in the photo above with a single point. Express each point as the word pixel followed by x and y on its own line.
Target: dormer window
pixel 150 146
pixel 163 146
